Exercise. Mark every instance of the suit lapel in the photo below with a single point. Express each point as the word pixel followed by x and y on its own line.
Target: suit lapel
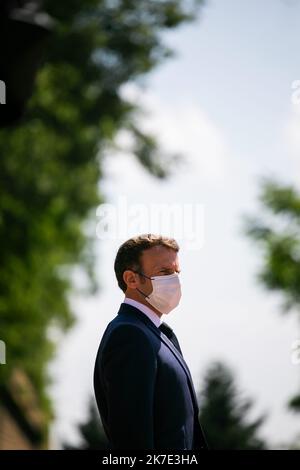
pixel 182 362
pixel 126 308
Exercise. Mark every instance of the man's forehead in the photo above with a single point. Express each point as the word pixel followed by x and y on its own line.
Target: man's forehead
pixel 159 256
pixel 166 263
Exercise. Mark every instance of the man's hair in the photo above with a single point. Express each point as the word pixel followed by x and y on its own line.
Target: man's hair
pixel 129 253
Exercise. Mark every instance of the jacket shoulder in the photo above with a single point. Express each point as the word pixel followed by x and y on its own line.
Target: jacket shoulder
pixel 121 331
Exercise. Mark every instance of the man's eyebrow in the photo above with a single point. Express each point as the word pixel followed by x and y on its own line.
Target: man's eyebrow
pixel 168 269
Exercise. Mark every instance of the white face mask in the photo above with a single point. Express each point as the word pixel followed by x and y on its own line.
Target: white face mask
pixel 166 292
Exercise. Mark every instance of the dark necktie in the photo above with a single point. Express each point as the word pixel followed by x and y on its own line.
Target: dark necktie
pixel 167 330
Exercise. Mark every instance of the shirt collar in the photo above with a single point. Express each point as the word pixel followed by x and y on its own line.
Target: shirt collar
pixel 146 310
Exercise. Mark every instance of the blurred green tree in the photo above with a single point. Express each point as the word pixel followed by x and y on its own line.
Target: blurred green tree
pixel 223 412
pixel 277 232
pixel 52 162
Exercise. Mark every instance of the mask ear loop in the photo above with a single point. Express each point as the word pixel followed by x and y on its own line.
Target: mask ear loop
pixel 146 296
pixel 142 274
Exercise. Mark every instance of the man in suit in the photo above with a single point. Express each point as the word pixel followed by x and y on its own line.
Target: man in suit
pixel 143 386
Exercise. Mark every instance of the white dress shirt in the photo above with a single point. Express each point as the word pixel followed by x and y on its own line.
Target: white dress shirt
pixel 143 308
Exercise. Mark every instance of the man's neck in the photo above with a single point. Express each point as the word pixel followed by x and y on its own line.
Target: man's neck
pixel 145 303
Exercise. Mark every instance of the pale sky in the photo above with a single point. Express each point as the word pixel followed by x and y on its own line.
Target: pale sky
pixel 225 103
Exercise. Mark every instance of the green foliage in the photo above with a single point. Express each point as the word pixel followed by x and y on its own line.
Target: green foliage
pixel 51 163
pixel 294 403
pixel 223 413
pixel 278 235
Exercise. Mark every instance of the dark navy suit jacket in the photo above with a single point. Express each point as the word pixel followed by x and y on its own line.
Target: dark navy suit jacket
pixel 143 387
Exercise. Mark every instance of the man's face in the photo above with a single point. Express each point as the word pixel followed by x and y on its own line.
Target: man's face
pixel 159 261
pixel 155 261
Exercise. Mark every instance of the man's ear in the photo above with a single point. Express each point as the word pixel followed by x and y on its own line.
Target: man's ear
pixel 130 280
